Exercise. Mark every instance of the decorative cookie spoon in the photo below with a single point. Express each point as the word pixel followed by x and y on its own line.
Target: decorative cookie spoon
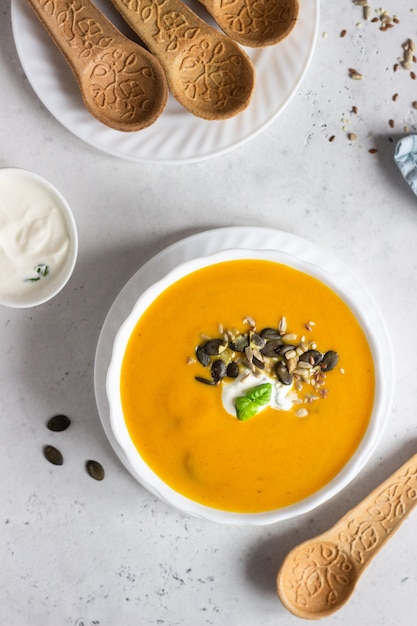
pixel 209 74
pixel 254 23
pixel 318 576
pixel 121 83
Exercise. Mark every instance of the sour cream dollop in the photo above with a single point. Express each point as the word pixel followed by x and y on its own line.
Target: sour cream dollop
pixel 282 396
pixel 37 248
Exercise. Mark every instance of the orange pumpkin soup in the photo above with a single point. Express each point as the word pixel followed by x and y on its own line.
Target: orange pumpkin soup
pixel 180 426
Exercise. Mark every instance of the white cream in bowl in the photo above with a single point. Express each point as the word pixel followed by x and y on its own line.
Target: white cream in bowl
pixel 38 239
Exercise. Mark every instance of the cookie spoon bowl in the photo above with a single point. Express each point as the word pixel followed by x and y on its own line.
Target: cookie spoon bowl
pixel 207 72
pixel 122 84
pixel 319 576
pixel 254 23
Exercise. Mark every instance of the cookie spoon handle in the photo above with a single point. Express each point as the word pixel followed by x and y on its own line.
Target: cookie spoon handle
pixel 318 576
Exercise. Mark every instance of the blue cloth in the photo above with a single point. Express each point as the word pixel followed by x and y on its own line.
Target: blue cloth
pixel 406 158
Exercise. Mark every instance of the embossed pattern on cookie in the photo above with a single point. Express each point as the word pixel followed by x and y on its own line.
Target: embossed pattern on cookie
pixel 319 576
pixel 121 83
pixel 207 72
pixel 254 23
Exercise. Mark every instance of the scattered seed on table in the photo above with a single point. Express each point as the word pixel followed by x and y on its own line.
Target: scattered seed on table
pixel 343 33
pixel 391 123
pixel 352 136
pixel 413 75
pixel 414 105
pixel 395 97
pixel 95 470
pixel 58 423
pixel 53 455
pixel 372 150
pixel 354 74
pixel 332 138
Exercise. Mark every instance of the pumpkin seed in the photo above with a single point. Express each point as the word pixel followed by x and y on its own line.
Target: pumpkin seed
pixel 53 455
pixel 202 355
pixel 232 370
pixel 95 469
pixel 206 381
pixel 286 348
pixel 329 361
pixel 239 343
pixel 272 347
pixel 283 374
pixel 214 347
pixel 270 333
pixel 218 370
pixel 311 356
pixel 58 423
pixel 258 363
pixel 256 340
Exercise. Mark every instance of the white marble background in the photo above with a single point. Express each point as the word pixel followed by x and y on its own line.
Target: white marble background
pixel 77 552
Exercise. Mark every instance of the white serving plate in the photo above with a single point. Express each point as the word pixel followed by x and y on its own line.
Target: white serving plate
pixel 177 136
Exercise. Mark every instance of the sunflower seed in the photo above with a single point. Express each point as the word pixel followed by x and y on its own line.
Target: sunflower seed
pixel 282 325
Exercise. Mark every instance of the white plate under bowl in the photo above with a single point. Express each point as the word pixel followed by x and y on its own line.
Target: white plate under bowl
pixel 177 136
pixel 245 242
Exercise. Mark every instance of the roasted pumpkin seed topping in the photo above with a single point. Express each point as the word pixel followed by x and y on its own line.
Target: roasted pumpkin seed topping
pixel 272 352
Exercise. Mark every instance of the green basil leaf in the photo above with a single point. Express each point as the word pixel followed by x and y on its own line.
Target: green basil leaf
pixel 245 408
pixel 261 394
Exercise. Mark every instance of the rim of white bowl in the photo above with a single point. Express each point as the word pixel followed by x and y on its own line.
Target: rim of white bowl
pixel 65 274
pixel 382 401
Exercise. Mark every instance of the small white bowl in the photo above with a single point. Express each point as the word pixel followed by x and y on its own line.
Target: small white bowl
pixel 340 281
pixel 33 211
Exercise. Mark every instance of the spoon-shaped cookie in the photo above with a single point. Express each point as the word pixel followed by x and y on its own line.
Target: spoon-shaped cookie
pixel 209 74
pixel 121 83
pixel 254 23
pixel 318 576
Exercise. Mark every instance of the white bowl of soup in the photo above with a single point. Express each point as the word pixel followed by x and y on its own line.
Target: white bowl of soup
pixel 247 386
